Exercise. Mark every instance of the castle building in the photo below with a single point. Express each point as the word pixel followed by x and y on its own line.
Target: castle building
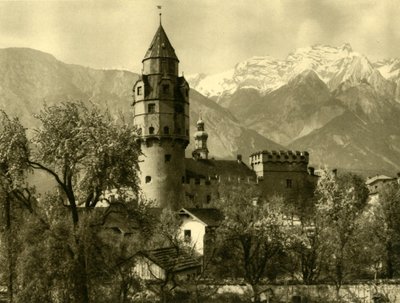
pixel 161 117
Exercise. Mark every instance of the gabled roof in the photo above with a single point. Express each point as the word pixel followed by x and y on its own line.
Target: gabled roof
pixel 378 178
pixel 160 47
pixel 171 259
pixel 210 216
pixel 211 168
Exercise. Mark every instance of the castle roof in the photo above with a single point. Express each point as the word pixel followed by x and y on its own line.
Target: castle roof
pixel 169 258
pixel 203 168
pixel 210 216
pixel 160 46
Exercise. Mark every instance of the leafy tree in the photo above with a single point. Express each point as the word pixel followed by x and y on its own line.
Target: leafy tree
pixel 382 230
pixel 307 247
pixel 86 153
pixel 254 231
pixel 14 153
pixel 389 200
pixel 340 202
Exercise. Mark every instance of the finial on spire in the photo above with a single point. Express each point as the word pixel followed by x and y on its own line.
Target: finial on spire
pixel 160 14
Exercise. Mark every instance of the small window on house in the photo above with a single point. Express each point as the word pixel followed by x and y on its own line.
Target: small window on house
pixel 187 234
pixel 167 158
pixel 178 130
pixel 165 88
pixel 139 90
pixel 166 130
pixel 187 132
pixel 148 179
pixel 208 199
pixel 183 179
pixel 151 130
pixel 289 183
pixel 151 108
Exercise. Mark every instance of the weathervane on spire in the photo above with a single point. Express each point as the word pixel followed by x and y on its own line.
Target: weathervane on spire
pixel 159 8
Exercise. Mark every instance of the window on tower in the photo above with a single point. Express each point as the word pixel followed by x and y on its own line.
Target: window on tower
pixel 289 183
pixel 151 130
pixel 167 158
pixel 151 108
pixel 139 90
pixel 165 88
pixel 148 179
pixel 166 130
pixel 178 108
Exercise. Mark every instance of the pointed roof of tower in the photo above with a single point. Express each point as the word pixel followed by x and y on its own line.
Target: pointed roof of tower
pixel 160 47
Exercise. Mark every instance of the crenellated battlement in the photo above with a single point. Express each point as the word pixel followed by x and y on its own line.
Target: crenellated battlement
pixel 281 156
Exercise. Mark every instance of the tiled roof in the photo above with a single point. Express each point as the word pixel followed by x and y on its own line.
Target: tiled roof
pixel 378 178
pixel 210 216
pixel 213 168
pixel 171 259
pixel 160 47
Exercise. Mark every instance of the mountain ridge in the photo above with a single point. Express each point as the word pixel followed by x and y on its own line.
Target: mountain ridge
pixel 301 101
pixel 28 78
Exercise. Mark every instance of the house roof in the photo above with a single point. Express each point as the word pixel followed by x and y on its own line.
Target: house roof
pixel 209 216
pixel 203 168
pixel 378 178
pixel 160 46
pixel 171 259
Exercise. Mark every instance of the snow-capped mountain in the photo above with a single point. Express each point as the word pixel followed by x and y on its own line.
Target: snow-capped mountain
pixel 389 68
pixel 332 101
pixel 336 66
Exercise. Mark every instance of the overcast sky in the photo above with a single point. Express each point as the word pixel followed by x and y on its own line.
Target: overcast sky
pixel 208 36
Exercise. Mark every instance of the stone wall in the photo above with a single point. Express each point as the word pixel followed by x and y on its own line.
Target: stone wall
pixel 360 293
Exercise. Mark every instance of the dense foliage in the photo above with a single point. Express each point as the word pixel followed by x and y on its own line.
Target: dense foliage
pixel 60 247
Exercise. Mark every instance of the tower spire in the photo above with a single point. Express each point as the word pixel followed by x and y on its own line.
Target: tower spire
pixel 160 13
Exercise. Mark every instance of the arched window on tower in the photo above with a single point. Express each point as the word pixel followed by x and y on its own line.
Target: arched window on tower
pixel 151 130
pixel 166 130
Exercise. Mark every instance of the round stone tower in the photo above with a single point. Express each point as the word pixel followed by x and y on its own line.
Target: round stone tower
pixel 161 116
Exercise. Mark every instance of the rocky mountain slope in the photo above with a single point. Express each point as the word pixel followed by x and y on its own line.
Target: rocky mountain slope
pixel 330 100
pixel 29 77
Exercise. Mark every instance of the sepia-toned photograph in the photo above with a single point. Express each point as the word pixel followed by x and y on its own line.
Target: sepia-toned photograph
pixel 200 151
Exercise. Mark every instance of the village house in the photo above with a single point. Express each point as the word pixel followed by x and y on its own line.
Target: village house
pixel 197 224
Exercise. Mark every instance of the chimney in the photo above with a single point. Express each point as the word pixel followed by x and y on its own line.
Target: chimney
pixel 334 171
pixel 239 158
